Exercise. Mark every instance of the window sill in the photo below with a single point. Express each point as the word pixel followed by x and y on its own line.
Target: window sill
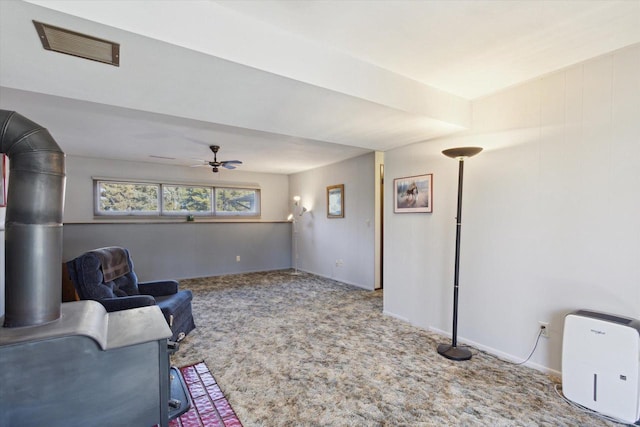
pixel 173 221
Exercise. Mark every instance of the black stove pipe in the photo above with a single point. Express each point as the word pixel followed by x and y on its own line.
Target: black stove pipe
pixel 33 224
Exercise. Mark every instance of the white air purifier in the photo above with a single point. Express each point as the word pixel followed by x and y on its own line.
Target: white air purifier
pixel 601 363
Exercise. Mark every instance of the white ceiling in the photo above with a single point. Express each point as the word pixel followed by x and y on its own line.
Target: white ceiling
pixel 286 86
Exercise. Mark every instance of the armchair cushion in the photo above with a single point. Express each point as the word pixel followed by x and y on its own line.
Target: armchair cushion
pixel 125 303
pixel 158 288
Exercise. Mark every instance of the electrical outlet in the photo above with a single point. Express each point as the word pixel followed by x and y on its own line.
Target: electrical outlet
pixel 237 258
pixel 544 329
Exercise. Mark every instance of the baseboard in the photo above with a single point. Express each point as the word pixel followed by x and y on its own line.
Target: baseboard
pixel 232 273
pixel 358 285
pixel 396 316
pixel 500 354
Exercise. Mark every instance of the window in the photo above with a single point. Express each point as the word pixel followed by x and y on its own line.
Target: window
pixel 178 199
pixel 120 198
pixel 237 201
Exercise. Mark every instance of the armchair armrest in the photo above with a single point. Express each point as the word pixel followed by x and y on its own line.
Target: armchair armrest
pixel 158 288
pixel 125 303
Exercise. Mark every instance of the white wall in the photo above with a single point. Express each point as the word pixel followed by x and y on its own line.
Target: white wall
pixel 550 212
pixel 80 170
pixel 323 241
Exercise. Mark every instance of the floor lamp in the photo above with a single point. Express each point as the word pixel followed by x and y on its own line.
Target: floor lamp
pixel 452 351
pixel 298 211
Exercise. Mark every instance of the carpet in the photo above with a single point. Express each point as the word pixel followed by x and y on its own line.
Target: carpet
pixel 301 350
pixel 210 407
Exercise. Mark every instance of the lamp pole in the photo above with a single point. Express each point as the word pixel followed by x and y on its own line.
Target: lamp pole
pixel 452 351
pixel 295 245
pixel 298 211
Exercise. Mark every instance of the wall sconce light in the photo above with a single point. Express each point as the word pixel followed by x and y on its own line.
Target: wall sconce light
pixel 298 210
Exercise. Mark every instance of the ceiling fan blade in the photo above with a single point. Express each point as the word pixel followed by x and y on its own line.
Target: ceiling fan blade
pixel 201 163
pixel 226 166
pixel 235 162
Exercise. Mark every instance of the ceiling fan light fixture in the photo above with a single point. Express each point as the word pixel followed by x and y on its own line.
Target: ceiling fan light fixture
pixel 77 44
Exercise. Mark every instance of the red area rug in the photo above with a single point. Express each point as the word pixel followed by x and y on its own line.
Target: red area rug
pixel 209 406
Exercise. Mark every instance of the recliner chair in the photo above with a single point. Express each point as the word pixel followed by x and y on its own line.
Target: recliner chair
pixel 106 275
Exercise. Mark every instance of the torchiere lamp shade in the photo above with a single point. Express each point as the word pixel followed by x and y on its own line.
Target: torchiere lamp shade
pixel 462 152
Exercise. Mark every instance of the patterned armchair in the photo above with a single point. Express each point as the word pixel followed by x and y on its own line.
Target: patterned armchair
pixel 106 275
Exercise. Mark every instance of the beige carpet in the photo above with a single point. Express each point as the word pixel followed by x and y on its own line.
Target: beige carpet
pixel 302 350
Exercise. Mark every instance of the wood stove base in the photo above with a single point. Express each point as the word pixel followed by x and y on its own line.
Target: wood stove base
pixel 89 367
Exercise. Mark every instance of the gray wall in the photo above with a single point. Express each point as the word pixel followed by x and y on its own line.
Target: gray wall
pixel 186 250
pixel 173 248
pixel 165 248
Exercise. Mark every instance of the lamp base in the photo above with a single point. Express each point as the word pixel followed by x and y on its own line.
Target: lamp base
pixel 454 353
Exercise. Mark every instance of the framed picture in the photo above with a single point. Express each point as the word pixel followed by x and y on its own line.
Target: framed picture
pixel 335 201
pixel 3 181
pixel 413 194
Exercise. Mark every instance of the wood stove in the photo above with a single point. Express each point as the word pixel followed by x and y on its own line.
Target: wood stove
pixel 73 363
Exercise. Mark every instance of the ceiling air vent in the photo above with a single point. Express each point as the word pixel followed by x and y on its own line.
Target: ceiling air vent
pixel 76 44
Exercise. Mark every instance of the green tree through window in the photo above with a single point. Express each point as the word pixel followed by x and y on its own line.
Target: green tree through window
pixel 131 198
pixel 235 200
pixel 181 199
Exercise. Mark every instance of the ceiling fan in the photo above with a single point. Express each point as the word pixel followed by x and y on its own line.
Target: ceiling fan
pixel 215 164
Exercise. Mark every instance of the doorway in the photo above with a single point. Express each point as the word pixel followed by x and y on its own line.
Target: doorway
pixel 379 220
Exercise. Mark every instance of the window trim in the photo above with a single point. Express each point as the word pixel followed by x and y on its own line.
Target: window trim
pixel 161 214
